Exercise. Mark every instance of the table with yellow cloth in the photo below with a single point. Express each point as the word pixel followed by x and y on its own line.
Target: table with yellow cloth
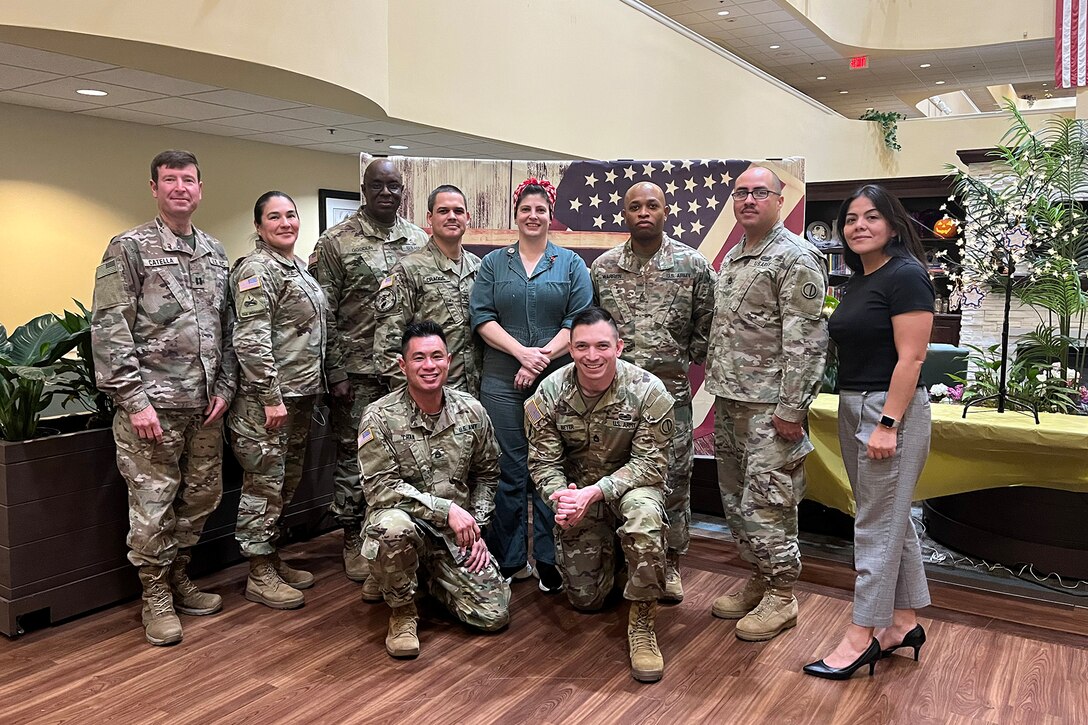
pixel 986 450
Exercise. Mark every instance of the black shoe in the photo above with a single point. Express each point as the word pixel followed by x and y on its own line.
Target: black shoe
pixel 914 638
pixel 868 657
pixel 550 579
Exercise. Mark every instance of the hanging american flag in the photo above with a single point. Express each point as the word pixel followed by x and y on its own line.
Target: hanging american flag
pixel 1069 43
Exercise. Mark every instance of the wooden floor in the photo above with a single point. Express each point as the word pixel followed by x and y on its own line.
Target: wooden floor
pixel 988 660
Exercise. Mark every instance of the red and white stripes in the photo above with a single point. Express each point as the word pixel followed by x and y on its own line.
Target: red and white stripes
pixel 1070 43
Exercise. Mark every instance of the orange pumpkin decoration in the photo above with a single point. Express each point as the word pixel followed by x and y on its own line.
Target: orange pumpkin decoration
pixel 946 227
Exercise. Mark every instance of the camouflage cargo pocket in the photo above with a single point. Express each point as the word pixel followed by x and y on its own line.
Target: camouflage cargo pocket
pixel 251 509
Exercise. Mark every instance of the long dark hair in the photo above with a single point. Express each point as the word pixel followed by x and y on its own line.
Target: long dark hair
pixel 904 241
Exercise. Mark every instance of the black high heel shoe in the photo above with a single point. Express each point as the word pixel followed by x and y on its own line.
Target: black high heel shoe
pixel 914 638
pixel 868 657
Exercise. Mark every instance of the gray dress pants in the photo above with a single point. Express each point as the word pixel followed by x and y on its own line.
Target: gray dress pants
pixel 887 556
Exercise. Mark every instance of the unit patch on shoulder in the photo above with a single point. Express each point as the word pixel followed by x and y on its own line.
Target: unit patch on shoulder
pixel 386 300
pixel 809 290
pixel 249 283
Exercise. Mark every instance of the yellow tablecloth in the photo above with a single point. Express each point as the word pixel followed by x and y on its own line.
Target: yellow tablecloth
pixel 986 450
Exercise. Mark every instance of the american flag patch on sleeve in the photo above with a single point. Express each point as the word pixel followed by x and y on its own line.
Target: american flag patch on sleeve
pixel 387 282
pixel 250 283
pixel 365 437
pixel 532 411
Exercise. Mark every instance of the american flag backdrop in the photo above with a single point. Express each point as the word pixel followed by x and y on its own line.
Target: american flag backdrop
pixel 588 207
pixel 1069 42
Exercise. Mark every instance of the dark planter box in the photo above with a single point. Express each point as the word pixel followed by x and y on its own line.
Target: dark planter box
pixel 64 518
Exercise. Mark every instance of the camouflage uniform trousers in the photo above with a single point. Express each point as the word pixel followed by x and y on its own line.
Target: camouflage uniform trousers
pixel 348 505
pixel 271 462
pixel 586 554
pixel 396 545
pixel 173 486
pixel 761 477
pixel 678 500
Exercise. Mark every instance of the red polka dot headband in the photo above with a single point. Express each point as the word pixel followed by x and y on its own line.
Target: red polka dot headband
pixel 533 181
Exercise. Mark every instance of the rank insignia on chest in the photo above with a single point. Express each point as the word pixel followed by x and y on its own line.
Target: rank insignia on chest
pixel 249 283
pixel 366 436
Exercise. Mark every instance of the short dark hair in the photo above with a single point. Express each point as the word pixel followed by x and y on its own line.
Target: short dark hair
pixel 258 208
pixel 904 242
pixel 591 316
pixel 173 159
pixel 426 328
pixel 444 189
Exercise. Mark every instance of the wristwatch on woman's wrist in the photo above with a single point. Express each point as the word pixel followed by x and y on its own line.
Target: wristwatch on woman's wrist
pixel 889 422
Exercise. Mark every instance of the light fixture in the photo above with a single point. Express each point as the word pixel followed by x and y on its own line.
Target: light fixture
pixel 397 146
pixel 924 65
pixel 940 83
pixel 723 13
pixel 821 78
pixel 775 47
pixel 91 92
pixel 843 93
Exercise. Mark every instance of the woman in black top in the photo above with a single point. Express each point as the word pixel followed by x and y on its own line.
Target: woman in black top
pixel 881 330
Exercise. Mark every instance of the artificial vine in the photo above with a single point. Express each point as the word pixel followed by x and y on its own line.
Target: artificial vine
pixel 888 121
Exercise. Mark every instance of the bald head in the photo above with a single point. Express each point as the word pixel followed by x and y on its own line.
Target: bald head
pixel 383 186
pixel 757 216
pixel 644 213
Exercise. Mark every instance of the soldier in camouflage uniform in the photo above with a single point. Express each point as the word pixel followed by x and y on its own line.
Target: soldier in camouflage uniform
pixel 661 294
pixel 279 337
pixel 160 330
pixel 434 284
pixel 430 463
pixel 353 261
pixel 767 350
pixel 599 434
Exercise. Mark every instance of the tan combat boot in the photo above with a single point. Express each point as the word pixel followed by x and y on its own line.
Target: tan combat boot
pixel 371 592
pixel 187 598
pixel 161 624
pixel 674 588
pixel 774 614
pixel 265 586
pixel 401 640
pixel 739 603
pixel 355 566
pixel 297 578
pixel 647 664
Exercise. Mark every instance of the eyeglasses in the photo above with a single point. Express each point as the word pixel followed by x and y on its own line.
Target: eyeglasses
pixel 377 186
pixel 759 194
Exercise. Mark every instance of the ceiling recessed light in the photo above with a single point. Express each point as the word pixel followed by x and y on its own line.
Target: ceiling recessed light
pixel 1044 85
pixel 924 65
pixel 723 13
pixel 775 47
pixel 91 92
pixel 397 146
pixel 940 83
pixel 843 93
pixel 821 78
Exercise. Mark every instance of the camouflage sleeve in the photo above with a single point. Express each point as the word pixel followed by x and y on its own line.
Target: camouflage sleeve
pixel 804 337
pixel 649 462
pixel 226 379
pixel 329 272
pixel 702 314
pixel 113 314
pixel 545 448
pixel 594 282
pixel 390 323
pixel 484 471
pixel 380 475
pixel 254 297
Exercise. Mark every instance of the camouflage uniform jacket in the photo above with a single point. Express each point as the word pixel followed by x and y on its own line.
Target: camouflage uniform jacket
pixel 160 327
pixel 279 326
pixel 663 310
pixel 769 338
pixel 621 444
pixel 427 285
pixel 408 462
pixel 352 262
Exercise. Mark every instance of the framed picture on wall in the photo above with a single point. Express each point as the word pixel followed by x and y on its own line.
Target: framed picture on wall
pixel 334 206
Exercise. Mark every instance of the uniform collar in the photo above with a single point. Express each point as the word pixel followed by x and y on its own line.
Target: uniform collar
pixel 172 243
pixel 551 253
pixel 738 252
pixel 376 230
pixel 271 252
pixel 419 419
pixel 662 258
pixel 572 393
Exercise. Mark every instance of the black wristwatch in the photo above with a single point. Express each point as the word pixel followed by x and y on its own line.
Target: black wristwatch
pixel 889 422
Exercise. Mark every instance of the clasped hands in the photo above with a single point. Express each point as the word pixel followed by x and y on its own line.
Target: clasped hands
pixel 571 503
pixel 468 538
pixel 533 362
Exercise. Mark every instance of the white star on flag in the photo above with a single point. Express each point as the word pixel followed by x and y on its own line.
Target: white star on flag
pixel 647 169
pixel 674 209
pixel 726 179
pixel 685 164
pixel 591 180
pixel 594 201
pixel 598 222
pixel 610 176
pixel 667 167
pixel 629 172
pixel 670 188
pixel 696 226
pixel 689 184
pixel 617 218
pixel 708 182
pixel 693 206
pixel 575 204
pixel 614 198
pixel 712 202
pixel 678 230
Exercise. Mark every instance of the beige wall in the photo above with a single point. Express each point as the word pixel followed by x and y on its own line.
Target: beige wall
pixel 926 24
pixel 68 183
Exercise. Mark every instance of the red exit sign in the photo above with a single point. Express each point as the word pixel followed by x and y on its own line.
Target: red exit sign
pixel 859 61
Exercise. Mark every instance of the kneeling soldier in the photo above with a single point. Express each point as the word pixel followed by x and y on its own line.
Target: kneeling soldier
pixel 429 464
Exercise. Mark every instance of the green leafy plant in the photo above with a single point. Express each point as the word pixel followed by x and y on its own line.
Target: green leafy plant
pixel 1030 378
pixel 76 374
pixel 889 125
pixel 28 363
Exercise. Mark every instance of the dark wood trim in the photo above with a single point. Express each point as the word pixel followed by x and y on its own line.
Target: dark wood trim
pixel 906 187
pixel 976 156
